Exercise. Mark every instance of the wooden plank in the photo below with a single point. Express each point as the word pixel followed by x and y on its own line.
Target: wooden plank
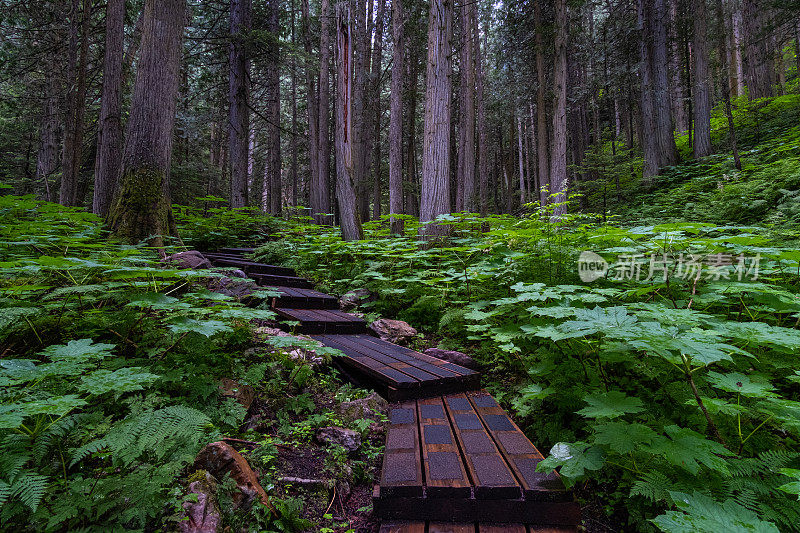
pixel 269 280
pixel 347 342
pixel 443 527
pixel 317 321
pixel 251 266
pixel 520 453
pixel 489 471
pixel 234 250
pixel 445 476
pixel 395 349
pixel 372 368
pixel 401 474
pixel 502 528
pixel 402 527
pixel 550 529
pixel 540 513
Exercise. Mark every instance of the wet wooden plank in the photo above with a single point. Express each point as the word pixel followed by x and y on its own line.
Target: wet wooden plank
pixel 443 465
pixel 394 349
pixel 235 250
pixel 269 280
pixel 251 267
pixel 520 453
pixel 490 474
pixel 401 474
pixel 298 298
pixel 443 527
pixel 382 373
pixel 502 528
pixel 402 527
pixel 318 321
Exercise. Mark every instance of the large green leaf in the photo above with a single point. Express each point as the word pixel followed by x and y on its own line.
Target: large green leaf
pixel 610 405
pixel 699 513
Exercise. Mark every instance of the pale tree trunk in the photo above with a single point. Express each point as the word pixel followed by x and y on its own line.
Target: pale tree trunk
pixel 758 59
pixel 435 194
pixel 238 99
pixel 722 31
pixel 465 178
pixel 736 48
pixel 375 111
pixel 109 136
pixel 312 108
pixel 359 93
pixel 322 188
pixel 345 156
pixel 558 156
pixel 142 204
pixel 293 177
pixel 272 183
pixel 797 44
pixel 396 119
pixel 702 82
pixel 47 157
pixel 534 166
pixel 666 133
pixel 412 202
pixel 648 138
pixel 678 99
pixel 483 136
pixel 543 155
pixel 76 103
pixel 521 158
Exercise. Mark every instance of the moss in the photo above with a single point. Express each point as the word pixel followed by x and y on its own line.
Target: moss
pixel 141 210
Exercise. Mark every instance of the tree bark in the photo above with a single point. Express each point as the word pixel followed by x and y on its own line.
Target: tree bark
pixel 521 158
pixel 238 99
pixel 312 110
pixel 736 38
pixel 702 82
pixel 76 103
pixel 47 157
pixel 396 119
pixel 483 136
pixel 142 207
pixel 293 177
pixel 678 99
pixel 435 196
pixel 345 156
pixel 558 155
pixel 359 92
pixel 758 59
pixel 272 175
pixel 109 136
pixel 465 179
pixel 323 130
pixel 668 152
pixel 649 141
pixel 376 111
pixel 724 69
pixel 543 157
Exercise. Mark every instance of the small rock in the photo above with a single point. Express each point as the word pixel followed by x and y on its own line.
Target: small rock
pixel 219 458
pixel 453 356
pixel 234 287
pixel 346 438
pixel 296 353
pixel 369 407
pixel 202 516
pixel 351 300
pixel 237 273
pixel 191 259
pixel 244 394
pixel 395 331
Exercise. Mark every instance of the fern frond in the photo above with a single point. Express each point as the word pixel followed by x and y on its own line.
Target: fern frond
pixel 30 489
pixel 654 486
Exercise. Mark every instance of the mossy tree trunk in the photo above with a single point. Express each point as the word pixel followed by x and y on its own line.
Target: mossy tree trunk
pixel 141 207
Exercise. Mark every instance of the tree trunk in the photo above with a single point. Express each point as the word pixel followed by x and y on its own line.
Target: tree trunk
pixel 272 176
pixel 466 125
pixel 558 155
pixel 345 156
pixel 758 64
pixel 238 99
pixel 483 136
pixel 521 158
pixel 359 93
pixel 649 141
pixel 541 110
pixel 435 199
pixel 293 142
pixel 376 111
pixel 666 133
pixel 316 198
pixel 736 36
pixel 702 82
pixel 142 207
pixel 396 119
pixel 678 99
pixel 47 158
pixel 724 69
pixel 411 189
pixel 109 136
pixel 76 104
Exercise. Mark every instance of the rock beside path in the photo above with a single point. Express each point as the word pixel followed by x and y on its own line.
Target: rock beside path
pixel 394 331
pixel 452 356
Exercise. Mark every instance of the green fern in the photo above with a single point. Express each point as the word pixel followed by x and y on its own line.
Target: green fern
pixel 29 488
pixel 654 486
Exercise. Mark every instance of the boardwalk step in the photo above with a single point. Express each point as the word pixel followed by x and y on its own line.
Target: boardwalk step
pixel 250 267
pixel 440 527
pixel 296 298
pixel 322 321
pixel 399 373
pixel 271 280
pixel 236 251
pixel 461 458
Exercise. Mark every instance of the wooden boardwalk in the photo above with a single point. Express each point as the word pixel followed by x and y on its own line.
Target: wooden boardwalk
pixel 455 462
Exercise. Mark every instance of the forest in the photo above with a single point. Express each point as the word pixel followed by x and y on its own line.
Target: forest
pixel 592 205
